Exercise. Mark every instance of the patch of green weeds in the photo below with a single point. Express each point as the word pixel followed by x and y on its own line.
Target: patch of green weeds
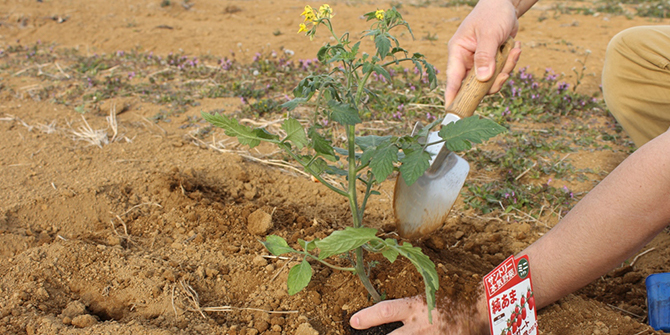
pixel 542 111
pixel 520 166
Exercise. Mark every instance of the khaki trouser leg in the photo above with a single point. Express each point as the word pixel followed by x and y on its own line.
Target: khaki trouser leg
pixel 636 81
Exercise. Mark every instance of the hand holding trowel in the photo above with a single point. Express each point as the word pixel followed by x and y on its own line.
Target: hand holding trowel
pixel 422 207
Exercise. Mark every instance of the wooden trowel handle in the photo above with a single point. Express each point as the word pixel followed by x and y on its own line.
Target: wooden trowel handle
pixel 472 90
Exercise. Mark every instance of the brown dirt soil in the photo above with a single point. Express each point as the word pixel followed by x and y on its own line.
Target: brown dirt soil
pixel 123 238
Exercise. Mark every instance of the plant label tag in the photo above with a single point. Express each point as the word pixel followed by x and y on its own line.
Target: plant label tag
pixel 509 294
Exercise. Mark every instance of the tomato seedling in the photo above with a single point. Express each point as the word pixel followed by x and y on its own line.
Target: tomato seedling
pixel 341 96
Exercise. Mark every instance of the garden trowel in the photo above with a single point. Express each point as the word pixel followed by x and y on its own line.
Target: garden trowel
pixel 423 207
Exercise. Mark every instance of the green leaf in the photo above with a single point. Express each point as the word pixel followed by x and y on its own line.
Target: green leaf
pixel 245 135
pixel 370 141
pixel 382 161
pixel 344 240
pixel 367 67
pixel 460 134
pixel 414 165
pixel 343 113
pixel 307 245
pixel 398 49
pixel 426 268
pixel 277 245
pixel 299 277
pixel 424 265
pixel 432 76
pixel 314 166
pixel 382 72
pixel 292 104
pixel 330 169
pixel 321 145
pixel 383 45
pixel 321 55
pixel 295 133
pixel 390 253
pixel 423 132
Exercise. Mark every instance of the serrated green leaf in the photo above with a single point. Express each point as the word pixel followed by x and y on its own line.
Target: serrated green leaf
pixel 414 165
pixel 354 49
pixel 314 166
pixel 383 45
pixel 432 76
pixel 398 49
pixel 333 170
pixel 390 252
pixel 295 133
pixel 382 161
pixel 370 16
pixel 423 133
pixel 382 72
pixel 370 141
pixel 461 134
pixel 276 245
pixel 424 265
pixel 293 103
pixel 367 156
pixel 367 67
pixel 321 54
pixel 245 135
pixel 343 113
pixel 418 67
pixel 344 240
pixel 321 145
pixel 299 277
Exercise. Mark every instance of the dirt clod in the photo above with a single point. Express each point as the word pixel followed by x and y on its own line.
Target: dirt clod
pixel 306 329
pixel 83 321
pixel 259 222
pixel 74 309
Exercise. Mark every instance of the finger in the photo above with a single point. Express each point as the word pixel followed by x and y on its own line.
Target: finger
pixel 509 65
pixel 485 62
pixel 384 312
pixel 456 70
pixel 498 83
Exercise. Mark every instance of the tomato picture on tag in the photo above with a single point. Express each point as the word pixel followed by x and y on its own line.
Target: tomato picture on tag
pixel 509 294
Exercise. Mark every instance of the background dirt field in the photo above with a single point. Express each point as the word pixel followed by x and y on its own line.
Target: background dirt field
pixel 124 238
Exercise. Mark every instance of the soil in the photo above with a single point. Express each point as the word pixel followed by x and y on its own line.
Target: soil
pixel 140 235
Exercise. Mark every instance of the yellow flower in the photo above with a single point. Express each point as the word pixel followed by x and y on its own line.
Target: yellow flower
pixel 325 11
pixel 379 14
pixel 303 27
pixel 309 13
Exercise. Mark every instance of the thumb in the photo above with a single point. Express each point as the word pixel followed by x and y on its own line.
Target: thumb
pixel 485 54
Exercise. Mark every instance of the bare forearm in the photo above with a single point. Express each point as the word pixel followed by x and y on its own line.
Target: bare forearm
pixel 616 219
pixel 522 6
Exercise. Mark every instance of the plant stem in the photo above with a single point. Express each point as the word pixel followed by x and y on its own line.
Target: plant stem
pixel 353 202
pixel 330 265
pixel 360 271
pixel 316 175
pixel 357 216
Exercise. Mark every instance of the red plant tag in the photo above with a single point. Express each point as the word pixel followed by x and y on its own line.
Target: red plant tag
pixel 509 294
